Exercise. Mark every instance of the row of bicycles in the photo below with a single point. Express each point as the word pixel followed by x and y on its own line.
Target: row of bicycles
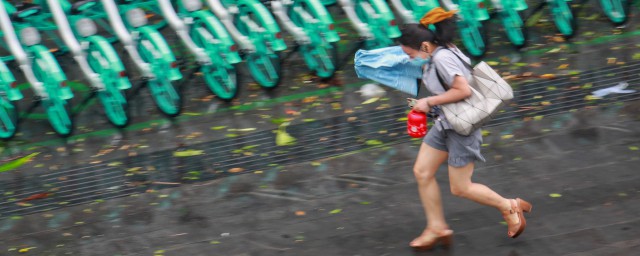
pixel 218 35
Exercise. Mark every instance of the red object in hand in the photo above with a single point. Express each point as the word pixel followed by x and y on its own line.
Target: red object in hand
pixel 417 124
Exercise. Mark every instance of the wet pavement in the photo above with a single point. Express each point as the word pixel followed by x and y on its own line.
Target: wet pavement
pixel 215 180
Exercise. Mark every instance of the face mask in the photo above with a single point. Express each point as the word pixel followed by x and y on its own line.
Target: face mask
pixel 419 61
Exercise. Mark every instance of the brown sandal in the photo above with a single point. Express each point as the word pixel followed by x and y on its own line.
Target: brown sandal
pixel 443 237
pixel 518 206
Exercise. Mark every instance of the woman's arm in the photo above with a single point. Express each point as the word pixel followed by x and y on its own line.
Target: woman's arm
pixel 459 90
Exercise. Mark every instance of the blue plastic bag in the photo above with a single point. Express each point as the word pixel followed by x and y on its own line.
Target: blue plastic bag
pixel 391 67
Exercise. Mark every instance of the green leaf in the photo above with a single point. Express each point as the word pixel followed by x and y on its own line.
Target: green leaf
pixel 14 164
pixel 555 195
pixel 369 101
pixel 365 203
pixel 335 211
pixel 187 153
pixel 373 142
pixel 634 148
pixel 215 128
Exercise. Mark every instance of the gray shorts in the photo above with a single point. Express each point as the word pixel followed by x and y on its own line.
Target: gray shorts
pixel 462 149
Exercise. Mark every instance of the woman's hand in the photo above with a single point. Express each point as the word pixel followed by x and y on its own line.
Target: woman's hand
pixel 422 105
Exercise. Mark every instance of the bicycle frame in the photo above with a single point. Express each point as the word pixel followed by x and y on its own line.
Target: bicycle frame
pixel 43 73
pixel 255 30
pixel 95 56
pixel 313 30
pixel 208 40
pixel 373 20
pixel 412 11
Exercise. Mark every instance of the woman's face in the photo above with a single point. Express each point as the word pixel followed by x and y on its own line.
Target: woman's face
pixel 413 53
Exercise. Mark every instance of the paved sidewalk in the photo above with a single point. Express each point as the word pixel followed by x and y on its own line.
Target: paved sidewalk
pixel 578 169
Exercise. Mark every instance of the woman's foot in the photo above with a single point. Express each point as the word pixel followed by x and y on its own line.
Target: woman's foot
pixel 514 216
pixel 430 238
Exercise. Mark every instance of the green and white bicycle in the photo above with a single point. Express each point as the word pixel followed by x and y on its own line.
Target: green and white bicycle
pixel 40 67
pixel 146 47
pixel 93 53
pixel 257 33
pixel 313 30
pixel 207 39
pixel 373 20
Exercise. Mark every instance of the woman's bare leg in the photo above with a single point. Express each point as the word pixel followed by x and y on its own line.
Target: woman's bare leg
pixel 462 186
pixel 427 163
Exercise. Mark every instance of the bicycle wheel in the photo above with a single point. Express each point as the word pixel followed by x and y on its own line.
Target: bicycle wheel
pixel 112 99
pixel 265 69
pixel 59 114
pixel 115 107
pixel 473 38
pixel 57 109
pixel 616 10
pixel 222 81
pixel 514 27
pixel 8 119
pixel 164 94
pixel 318 60
pixel 563 17
pixel 220 77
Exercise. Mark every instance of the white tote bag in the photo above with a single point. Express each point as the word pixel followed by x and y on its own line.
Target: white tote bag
pixel 489 92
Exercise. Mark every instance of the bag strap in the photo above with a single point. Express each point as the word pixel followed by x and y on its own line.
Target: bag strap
pixel 444 85
pixel 468 65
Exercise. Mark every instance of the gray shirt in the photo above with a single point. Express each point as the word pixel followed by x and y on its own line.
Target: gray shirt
pixel 449 66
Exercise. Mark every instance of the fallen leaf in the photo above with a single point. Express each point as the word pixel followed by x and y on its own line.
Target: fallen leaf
pixel 555 195
pixel 369 101
pixel 373 142
pixel 11 165
pixel 282 137
pixel 548 76
pixel 300 213
pixel 611 60
pixel 36 196
pixel 507 136
pixel 634 148
pixel 335 211
pixel 235 170
pixel 563 66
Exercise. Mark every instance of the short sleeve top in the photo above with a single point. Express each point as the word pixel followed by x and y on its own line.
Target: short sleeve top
pixel 449 66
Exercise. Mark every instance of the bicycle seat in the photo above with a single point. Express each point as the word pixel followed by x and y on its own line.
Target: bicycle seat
pixel 78 6
pixel 24 10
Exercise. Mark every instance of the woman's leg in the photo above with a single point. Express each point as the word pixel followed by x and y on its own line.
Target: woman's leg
pixel 462 186
pixel 427 163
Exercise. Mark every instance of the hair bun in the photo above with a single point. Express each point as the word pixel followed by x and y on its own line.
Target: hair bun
pixel 436 15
